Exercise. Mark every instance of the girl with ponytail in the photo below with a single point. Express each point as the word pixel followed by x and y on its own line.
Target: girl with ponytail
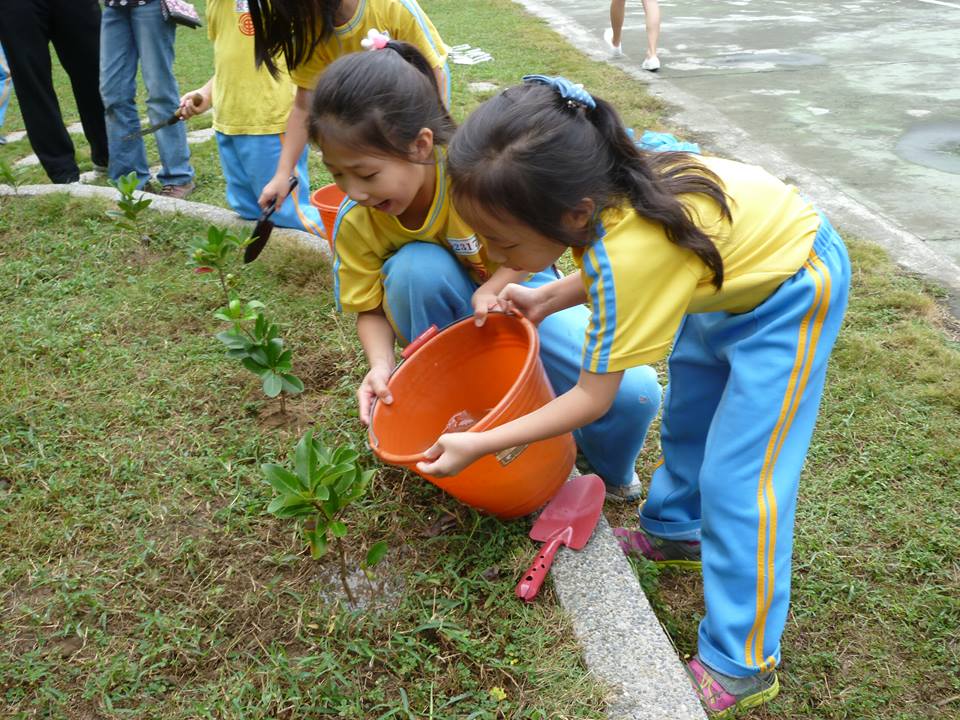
pixel 405 259
pixel 716 264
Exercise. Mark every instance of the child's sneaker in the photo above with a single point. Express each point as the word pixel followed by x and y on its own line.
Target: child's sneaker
pixel 615 50
pixel 641 544
pixel 629 493
pixel 723 695
pixel 651 63
pixel 626 493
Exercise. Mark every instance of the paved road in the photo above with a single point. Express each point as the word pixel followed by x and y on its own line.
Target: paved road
pixel 863 93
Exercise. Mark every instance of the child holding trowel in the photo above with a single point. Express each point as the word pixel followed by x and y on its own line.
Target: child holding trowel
pixel 718 264
pixel 405 259
pixel 250 109
pixel 311 34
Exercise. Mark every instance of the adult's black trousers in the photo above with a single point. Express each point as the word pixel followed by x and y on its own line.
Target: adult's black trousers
pixel 27 28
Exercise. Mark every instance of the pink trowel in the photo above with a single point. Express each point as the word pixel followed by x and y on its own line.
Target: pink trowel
pixel 568 519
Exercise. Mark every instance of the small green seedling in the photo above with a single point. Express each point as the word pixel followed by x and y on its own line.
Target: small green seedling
pixel 259 348
pixel 130 207
pixel 252 338
pixel 316 493
pixel 9 176
pixel 214 253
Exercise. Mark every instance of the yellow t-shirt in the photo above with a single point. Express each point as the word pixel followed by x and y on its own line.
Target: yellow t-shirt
pixel 640 284
pixel 364 238
pixel 402 19
pixel 246 101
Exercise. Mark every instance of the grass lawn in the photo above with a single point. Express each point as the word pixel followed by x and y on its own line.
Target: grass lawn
pixel 141 577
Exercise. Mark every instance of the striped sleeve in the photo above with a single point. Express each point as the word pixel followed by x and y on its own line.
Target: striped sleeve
pixel 636 305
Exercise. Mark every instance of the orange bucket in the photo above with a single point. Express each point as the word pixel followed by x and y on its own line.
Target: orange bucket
pixel 327 200
pixel 493 373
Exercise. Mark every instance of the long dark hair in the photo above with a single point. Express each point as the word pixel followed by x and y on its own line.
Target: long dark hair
pixel 535 156
pixel 292 28
pixel 380 100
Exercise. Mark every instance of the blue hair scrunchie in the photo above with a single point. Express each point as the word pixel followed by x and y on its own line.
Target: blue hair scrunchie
pixel 566 89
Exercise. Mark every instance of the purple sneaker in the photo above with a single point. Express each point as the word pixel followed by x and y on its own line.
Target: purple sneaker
pixel 641 544
pixel 733 695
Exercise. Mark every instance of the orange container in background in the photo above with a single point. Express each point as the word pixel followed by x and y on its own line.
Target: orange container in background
pixel 327 200
pixel 493 373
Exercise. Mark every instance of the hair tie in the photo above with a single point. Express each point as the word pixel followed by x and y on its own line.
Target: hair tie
pixel 575 95
pixel 375 40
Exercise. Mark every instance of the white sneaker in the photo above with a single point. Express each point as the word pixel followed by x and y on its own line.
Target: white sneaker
pixel 615 50
pixel 625 493
pixel 651 63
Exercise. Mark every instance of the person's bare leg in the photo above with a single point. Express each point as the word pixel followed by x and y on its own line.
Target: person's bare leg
pixel 651 16
pixel 617 9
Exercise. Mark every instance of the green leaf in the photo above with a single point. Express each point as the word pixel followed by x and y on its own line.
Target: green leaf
pixel 318 543
pixel 321 493
pixel 296 511
pixel 285 358
pixel 376 553
pixel 282 480
pixel 231 339
pixel 258 354
pixel 256 368
pixel 292 385
pixel 289 506
pixel 345 454
pixel 272 384
pixel 338 529
pixel 305 460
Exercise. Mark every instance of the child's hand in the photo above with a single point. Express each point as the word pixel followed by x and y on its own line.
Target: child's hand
pixel 195 102
pixel 276 189
pixel 529 302
pixel 451 453
pixel 374 385
pixel 483 302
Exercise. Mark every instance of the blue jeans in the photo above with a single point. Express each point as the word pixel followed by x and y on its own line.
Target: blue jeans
pixel 6 86
pixel 425 285
pixel 129 34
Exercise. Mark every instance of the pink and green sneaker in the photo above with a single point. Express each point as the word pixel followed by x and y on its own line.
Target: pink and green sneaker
pixel 724 696
pixel 676 553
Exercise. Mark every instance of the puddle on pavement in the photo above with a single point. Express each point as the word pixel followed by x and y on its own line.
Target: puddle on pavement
pixel 933 144
pixel 770 57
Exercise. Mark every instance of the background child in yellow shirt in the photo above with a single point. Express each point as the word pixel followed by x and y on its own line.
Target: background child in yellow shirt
pixel 310 34
pixel 250 109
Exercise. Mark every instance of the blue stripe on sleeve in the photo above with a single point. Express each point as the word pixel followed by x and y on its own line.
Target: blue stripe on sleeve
pixel 418 15
pixel 610 305
pixel 345 206
pixel 594 331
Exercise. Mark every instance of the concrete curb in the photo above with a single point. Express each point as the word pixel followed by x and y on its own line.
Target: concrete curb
pixel 623 643
pixel 200 211
pixel 710 125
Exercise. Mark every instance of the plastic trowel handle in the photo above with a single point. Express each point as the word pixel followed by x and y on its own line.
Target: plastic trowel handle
pixel 529 586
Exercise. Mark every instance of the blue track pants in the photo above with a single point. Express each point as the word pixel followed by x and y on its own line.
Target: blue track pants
pixel 249 162
pixel 739 410
pixel 425 285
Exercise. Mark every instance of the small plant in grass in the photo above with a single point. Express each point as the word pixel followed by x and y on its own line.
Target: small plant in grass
pixel 130 207
pixel 215 253
pixel 252 338
pixel 256 343
pixel 9 176
pixel 317 492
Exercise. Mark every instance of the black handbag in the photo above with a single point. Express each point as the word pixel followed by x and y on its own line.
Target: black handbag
pixel 180 12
